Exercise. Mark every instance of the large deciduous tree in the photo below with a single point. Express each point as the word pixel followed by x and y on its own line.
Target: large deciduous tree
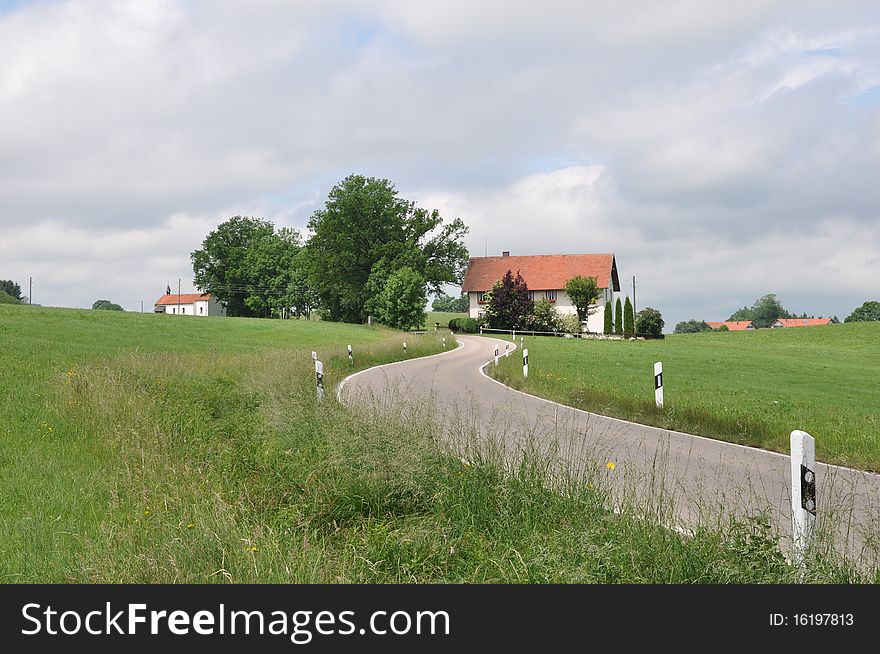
pixel 584 294
pixel 691 326
pixel 11 288
pixel 447 303
pixel 365 233
pixel 763 313
pixel 649 321
pixel 401 303
pixel 106 305
pixel 867 312
pixel 509 305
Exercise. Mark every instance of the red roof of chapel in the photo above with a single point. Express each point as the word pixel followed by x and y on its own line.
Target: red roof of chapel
pixel 183 298
pixel 542 272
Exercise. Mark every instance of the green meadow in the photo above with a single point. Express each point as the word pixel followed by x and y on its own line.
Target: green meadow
pixel 752 388
pixel 166 449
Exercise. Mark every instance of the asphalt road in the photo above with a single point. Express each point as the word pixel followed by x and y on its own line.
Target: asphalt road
pixel 687 479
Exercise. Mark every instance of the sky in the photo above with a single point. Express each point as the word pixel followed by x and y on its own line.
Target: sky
pixel 721 150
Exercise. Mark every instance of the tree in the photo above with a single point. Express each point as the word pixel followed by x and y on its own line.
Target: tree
pixel 366 231
pixel 544 318
pixel 609 318
pixel 869 311
pixel 447 303
pixel 649 321
pixel 6 298
pixel 106 305
pixel 691 327
pixel 224 268
pixel 270 264
pixel 629 325
pixel 618 317
pixel 508 304
pixel 11 288
pixel 583 294
pixel 763 313
pixel 402 302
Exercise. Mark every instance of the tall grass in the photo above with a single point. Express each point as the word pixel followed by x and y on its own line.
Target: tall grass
pixel 189 467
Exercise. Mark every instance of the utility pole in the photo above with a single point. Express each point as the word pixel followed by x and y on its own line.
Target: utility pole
pixel 634 295
pixel 30 290
pixel 178 296
pixel 142 306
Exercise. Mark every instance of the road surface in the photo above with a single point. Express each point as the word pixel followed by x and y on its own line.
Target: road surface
pixel 688 479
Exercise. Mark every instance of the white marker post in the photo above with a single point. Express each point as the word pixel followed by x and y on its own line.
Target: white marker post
pixel 319 378
pixel 350 355
pixel 507 349
pixel 314 356
pixel 404 348
pixel 496 355
pixel 513 336
pixel 525 363
pixel 444 343
pixel 658 384
pixel 803 493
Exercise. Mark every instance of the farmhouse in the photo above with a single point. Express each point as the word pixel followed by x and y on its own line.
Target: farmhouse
pixel 732 325
pixel 189 304
pixel 801 322
pixel 545 276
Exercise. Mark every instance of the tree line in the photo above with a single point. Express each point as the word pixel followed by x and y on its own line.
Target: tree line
pixel 369 253
pixel 768 309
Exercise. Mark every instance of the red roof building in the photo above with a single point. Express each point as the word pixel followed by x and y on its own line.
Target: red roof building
pixel 732 325
pixel 801 322
pixel 189 304
pixel 546 276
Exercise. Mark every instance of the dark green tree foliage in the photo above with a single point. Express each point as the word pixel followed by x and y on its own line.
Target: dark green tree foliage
pixel 365 233
pixel 629 323
pixel 447 303
pixel 269 264
pixel 867 312
pixel 691 327
pixel 618 317
pixel 508 304
pixel 6 298
pixel 609 318
pixel 229 263
pixel 583 294
pixel 106 305
pixel 649 321
pixel 401 303
pixel 764 312
pixel 11 288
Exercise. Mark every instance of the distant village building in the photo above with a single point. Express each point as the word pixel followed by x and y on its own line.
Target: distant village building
pixel 732 325
pixel 801 322
pixel 546 276
pixel 189 304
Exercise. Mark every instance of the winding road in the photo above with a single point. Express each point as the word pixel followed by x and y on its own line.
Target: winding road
pixel 689 480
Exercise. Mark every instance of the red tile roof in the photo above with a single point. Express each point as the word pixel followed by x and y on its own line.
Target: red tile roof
pixel 803 322
pixel 732 325
pixel 183 298
pixel 542 272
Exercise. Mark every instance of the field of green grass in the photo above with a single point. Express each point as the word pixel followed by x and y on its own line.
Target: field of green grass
pixel 752 388
pixel 144 448
pixel 443 317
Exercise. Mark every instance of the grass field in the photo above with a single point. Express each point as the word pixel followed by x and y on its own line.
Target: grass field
pixel 143 448
pixel 752 388
pixel 443 317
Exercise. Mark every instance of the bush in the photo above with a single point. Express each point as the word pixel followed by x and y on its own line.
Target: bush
pixel 629 323
pixel 6 298
pixel 649 321
pixel 609 318
pixel 618 317
pixel 464 325
pixel 570 323
pixel 545 318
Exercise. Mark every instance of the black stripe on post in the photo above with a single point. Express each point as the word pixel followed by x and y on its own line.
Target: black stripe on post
pixel 658 381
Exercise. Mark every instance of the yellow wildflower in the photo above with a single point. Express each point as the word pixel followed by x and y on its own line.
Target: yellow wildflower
pixel 611 465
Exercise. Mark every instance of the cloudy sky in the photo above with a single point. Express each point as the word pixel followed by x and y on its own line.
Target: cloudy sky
pixel 721 150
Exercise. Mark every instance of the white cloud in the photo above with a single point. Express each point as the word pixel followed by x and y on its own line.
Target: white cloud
pixel 700 141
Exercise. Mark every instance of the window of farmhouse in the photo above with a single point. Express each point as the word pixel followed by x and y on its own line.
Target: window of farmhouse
pixel 550 296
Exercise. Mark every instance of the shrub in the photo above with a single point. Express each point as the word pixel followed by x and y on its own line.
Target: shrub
pixel 545 318
pixel 629 323
pixel 570 323
pixel 618 317
pixel 464 325
pixel 649 321
pixel 6 298
pixel 692 327
pixel 609 318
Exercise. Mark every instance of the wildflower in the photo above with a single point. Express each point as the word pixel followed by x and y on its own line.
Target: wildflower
pixel 611 465
pixel 189 526
pixel 147 512
pixel 250 549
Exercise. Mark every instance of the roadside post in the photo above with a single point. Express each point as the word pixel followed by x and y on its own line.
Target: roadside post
pixel 436 326
pixel 350 355
pixel 444 342
pixel 314 356
pixel 525 363
pixel 319 378
pixel 513 336
pixel 803 493
pixel 507 349
pixel 404 347
pixel 658 384
pixel 496 355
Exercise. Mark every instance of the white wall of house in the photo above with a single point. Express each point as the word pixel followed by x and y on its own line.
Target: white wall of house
pixel 563 304
pixel 201 308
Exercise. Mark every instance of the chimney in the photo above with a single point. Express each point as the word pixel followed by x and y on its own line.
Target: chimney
pixel 506 253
